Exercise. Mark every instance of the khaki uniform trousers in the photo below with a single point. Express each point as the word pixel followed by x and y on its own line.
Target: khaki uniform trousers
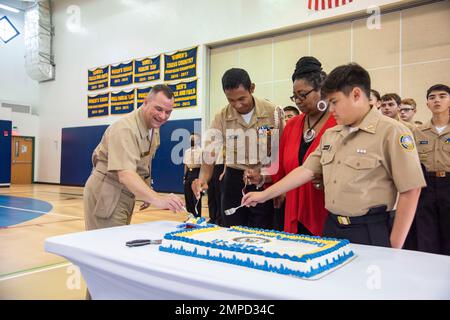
pixel 106 202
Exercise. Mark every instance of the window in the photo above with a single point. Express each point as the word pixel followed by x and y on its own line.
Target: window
pixel 7 30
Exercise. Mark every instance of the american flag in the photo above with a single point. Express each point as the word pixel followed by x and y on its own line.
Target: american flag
pixel 326 4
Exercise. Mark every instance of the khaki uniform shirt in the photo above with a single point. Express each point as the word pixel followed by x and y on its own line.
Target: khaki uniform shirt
pixel 127 145
pixel 409 125
pixel 366 168
pixel 221 156
pixel 240 154
pixel 193 157
pixel 433 148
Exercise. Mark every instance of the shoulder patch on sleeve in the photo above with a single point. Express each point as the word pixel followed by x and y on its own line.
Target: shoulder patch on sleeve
pixel 407 142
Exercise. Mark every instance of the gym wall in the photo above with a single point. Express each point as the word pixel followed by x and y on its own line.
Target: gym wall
pixel 407 55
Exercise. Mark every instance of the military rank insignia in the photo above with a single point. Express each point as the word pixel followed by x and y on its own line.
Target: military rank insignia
pixel 407 142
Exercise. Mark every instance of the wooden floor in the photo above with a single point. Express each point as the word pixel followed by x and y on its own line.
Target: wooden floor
pixel 26 270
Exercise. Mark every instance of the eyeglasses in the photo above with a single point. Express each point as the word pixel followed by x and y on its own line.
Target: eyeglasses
pixel 301 96
pixel 406 109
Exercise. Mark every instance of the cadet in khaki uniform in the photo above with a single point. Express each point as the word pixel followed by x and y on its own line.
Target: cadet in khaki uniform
pixel 364 160
pixel 122 165
pixel 407 110
pixel 252 116
pixel 390 107
pixel 390 103
pixel 192 161
pixel 433 144
pixel 214 191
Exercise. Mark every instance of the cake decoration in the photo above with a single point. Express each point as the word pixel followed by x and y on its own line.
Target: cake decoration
pixel 302 256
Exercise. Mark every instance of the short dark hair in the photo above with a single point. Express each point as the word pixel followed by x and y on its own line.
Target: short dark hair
pixel 392 96
pixel 235 77
pixel 162 88
pixel 291 108
pixel 376 94
pixel 346 77
pixel 438 87
pixel 310 70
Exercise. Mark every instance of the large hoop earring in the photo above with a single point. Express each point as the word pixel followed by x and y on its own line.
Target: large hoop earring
pixel 322 106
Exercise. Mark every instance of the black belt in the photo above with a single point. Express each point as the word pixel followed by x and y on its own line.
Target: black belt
pixel 374 215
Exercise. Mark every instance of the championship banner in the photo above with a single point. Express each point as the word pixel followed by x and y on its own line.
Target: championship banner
pixel 98 78
pixel 180 65
pixel 98 105
pixel 147 69
pixel 121 74
pixel 122 102
pixel 141 93
pixel 185 94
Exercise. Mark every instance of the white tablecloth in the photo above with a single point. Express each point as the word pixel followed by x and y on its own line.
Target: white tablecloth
pixel 114 271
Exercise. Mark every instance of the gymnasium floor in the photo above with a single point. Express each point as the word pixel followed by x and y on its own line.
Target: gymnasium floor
pixel 26 270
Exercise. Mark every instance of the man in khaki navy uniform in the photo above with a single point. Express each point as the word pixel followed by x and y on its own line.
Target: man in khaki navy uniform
pixel 244 112
pixel 122 162
pixel 364 160
pixel 432 219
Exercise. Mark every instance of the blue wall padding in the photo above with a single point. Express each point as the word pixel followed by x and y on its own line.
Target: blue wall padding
pixel 79 143
pixel 5 151
pixel 167 176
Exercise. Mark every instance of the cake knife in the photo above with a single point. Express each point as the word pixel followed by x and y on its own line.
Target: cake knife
pixel 142 242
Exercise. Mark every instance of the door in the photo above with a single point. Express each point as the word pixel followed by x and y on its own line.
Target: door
pixel 21 160
pixel 5 153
